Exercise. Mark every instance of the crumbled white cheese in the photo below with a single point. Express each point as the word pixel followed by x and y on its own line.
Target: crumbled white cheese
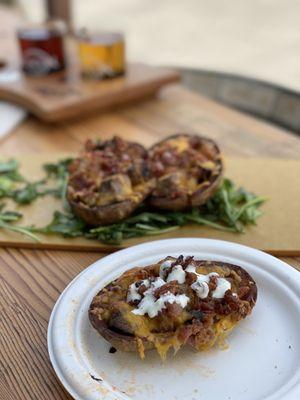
pixel 164 268
pixel 201 288
pixel 222 286
pixel 191 268
pixel 133 293
pixel 180 299
pixel 154 284
pixel 177 274
pixel 152 307
pixel 146 306
pixel 201 285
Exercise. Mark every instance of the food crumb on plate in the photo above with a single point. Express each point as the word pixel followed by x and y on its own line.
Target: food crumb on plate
pixel 112 350
pixel 96 379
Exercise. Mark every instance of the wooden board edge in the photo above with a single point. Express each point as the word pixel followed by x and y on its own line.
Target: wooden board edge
pixel 96 102
pixel 101 103
pixel 63 247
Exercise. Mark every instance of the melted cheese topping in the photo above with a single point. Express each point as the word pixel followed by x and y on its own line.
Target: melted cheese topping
pixel 179 143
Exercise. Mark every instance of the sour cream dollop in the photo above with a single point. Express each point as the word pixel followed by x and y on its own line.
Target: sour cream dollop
pixel 149 305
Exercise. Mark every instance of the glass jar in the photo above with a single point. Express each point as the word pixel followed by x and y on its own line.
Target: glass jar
pixel 42 48
pixel 101 54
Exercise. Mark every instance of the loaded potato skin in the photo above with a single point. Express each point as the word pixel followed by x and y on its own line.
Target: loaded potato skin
pixel 108 181
pixel 175 302
pixel 188 170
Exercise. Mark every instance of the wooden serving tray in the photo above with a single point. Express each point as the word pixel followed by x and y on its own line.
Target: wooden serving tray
pixel 65 95
pixel 277 230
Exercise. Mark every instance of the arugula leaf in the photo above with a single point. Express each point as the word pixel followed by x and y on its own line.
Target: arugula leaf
pixel 65 224
pixel 26 195
pixel 6 186
pixel 8 166
pixel 230 209
pixel 59 171
pixel 6 219
pixel 14 186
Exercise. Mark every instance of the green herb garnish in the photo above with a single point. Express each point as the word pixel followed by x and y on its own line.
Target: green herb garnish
pixel 230 209
pixel 7 218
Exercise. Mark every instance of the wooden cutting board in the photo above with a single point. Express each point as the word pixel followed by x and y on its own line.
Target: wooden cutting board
pixel 277 231
pixel 65 95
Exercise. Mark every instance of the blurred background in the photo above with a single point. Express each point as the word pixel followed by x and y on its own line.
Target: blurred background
pixel 242 53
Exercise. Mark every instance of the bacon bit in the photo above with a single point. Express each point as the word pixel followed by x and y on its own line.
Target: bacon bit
pixel 243 291
pixel 190 330
pixel 172 310
pixel 187 261
pixel 190 278
pixel 178 261
pixel 228 304
pixel 172 287
pixel 213 282
pixel 142 289
pixel 208 150
pixel 194 142
pixel 158 168
pixel 169 157
pixel 204 305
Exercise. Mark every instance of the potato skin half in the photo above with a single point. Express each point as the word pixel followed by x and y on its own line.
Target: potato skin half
pixel 108 181
pixel 127 341
pixel 185 198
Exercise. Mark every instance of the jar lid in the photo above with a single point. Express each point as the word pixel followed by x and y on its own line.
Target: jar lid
pixel 42 31
pixel 99 37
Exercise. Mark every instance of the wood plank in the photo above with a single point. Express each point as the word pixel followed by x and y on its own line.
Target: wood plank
pixel 173 110
pixel 28 292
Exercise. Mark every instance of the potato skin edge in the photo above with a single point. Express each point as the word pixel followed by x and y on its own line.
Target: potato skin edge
pixel 111 213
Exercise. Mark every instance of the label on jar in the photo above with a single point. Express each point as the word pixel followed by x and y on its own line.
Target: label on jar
pixel 39 62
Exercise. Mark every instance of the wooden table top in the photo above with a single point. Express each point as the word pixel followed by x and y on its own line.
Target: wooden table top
pixel 32 280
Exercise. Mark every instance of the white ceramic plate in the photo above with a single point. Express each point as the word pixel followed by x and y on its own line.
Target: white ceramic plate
pixel 262 361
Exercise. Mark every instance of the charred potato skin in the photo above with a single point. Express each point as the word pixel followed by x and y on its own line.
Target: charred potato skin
pixel 118 340
pixel 95 215
pixel 200 195
pixel 128 342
